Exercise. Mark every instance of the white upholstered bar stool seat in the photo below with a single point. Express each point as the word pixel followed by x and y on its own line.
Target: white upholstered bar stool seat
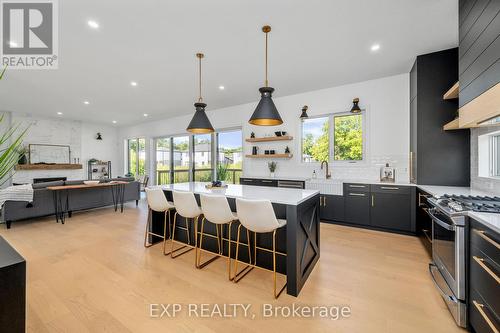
pixel 157 202
pixel 258 217
pixel 216 210
pixel 186 206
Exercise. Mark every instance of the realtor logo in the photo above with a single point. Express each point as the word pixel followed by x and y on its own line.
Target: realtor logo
pixel 29 38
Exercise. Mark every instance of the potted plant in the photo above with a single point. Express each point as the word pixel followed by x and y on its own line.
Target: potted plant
pixel 272 167
pixel 221 175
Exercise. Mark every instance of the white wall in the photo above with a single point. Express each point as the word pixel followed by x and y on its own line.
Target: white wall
pixel 78 135
pixel 386 101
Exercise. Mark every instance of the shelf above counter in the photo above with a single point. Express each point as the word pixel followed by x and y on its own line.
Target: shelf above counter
pixel 270 139
pixel 270 156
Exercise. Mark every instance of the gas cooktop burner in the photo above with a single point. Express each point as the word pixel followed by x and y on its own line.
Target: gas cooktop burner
pixel 459 203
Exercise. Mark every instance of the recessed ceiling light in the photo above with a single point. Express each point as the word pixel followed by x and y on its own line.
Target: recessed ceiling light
pixel 13 44
pixel 59 113
pixel 93 24
pixel 375 47
pixel 86 102
pixel 114 121
pixel 133 83
pixel 221 88
pixel 145 115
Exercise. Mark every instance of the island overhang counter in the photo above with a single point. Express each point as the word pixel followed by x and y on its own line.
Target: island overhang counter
pixel 298 243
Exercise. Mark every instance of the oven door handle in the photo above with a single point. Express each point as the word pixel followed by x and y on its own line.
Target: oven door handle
pixel 441 291
pixel 440 222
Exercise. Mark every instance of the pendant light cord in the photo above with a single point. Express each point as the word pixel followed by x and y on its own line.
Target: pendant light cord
pixel 267 82
pixel 200 99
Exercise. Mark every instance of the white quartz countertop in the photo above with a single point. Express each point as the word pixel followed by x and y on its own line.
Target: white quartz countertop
pixel 491 220
pixel 286 196
pixel 438 191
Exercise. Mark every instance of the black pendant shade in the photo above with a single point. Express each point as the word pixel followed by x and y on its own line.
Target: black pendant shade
pixel 355 107
pixel 304 115
pixel 200 124
pixel 265 113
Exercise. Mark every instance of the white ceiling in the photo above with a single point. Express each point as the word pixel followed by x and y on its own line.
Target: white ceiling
pixel 314 44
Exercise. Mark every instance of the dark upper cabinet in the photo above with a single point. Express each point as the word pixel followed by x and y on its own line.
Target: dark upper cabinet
pixel 357 207
pixel 391 207
pixel 437 157
pixel 331 207
pixel 479 47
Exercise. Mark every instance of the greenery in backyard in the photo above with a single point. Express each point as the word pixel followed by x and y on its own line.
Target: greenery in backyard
pixel 11 150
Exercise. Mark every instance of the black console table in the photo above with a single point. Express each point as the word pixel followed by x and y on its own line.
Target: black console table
pixel 12 289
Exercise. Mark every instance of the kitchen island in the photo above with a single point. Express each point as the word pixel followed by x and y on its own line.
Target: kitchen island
pixel 298 242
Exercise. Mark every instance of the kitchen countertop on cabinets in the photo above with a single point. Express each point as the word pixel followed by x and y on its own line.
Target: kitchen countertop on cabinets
pixel 491 220
pixel 438 191
pixel 301 179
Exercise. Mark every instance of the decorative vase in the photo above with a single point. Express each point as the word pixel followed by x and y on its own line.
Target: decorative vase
pixel 272 174
pixel 22 160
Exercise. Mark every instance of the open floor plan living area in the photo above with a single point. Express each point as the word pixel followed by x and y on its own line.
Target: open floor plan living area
pixel 252 166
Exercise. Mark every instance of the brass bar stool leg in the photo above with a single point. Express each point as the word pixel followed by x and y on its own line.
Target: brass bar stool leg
pixel 249 267
pixel 146 234
pixel 199 249
pixel 229 252
pixel 172 251
pixel 218 238
pixel 165 238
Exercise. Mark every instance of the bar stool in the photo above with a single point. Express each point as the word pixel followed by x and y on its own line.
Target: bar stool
pixel 187 207
pixel 157 202
pixel 216 210
pixel 257 216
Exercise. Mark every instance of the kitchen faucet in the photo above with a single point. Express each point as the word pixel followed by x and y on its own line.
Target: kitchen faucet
pixel 327 173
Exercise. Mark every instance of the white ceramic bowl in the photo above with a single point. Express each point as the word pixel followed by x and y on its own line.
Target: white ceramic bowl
pixel 91 182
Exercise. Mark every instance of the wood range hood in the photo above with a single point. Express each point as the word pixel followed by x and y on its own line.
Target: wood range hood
pixel 482 108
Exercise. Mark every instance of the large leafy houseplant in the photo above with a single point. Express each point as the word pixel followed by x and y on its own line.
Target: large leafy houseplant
pixel 10 149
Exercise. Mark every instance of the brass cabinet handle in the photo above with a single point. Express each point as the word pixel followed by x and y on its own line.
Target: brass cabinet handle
pixel 483 235
pixel 267 181
pixel 481 263
pixel 324 201
pixel 357 194
pixel 357 186
pixel 373 200
pixel 389 188
pixel 479 308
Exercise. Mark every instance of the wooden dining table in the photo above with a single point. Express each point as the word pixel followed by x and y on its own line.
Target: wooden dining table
pixel 61 196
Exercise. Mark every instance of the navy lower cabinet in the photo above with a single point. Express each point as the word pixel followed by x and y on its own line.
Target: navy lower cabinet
pixel 357 208
pixel 391 207
pixel 483 276
pixel 331 207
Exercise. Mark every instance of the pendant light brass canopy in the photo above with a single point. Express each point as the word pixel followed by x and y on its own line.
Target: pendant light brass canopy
pixel 265 113
pixel 200 124
pixel 355 107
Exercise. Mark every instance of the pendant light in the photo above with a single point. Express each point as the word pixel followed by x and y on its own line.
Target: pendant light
pixel 200 124
pixel 304 112
pixel 355 107
pixel 266 113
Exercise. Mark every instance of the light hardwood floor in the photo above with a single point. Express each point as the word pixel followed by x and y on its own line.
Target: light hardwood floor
pixel 94 275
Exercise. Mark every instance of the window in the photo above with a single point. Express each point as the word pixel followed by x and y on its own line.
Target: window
pixel 202 147
pixel 181 159
pixel 136 156
pixel 337 137
pixel 174 156
pixel 488 148
pixel 348 137
pixel 230 152
pixel 163 160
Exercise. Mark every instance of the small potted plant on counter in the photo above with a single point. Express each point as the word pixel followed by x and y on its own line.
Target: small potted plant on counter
pixel 221 175
pixel 272 167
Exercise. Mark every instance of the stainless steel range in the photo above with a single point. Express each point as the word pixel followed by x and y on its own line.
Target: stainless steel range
pixel 448 215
